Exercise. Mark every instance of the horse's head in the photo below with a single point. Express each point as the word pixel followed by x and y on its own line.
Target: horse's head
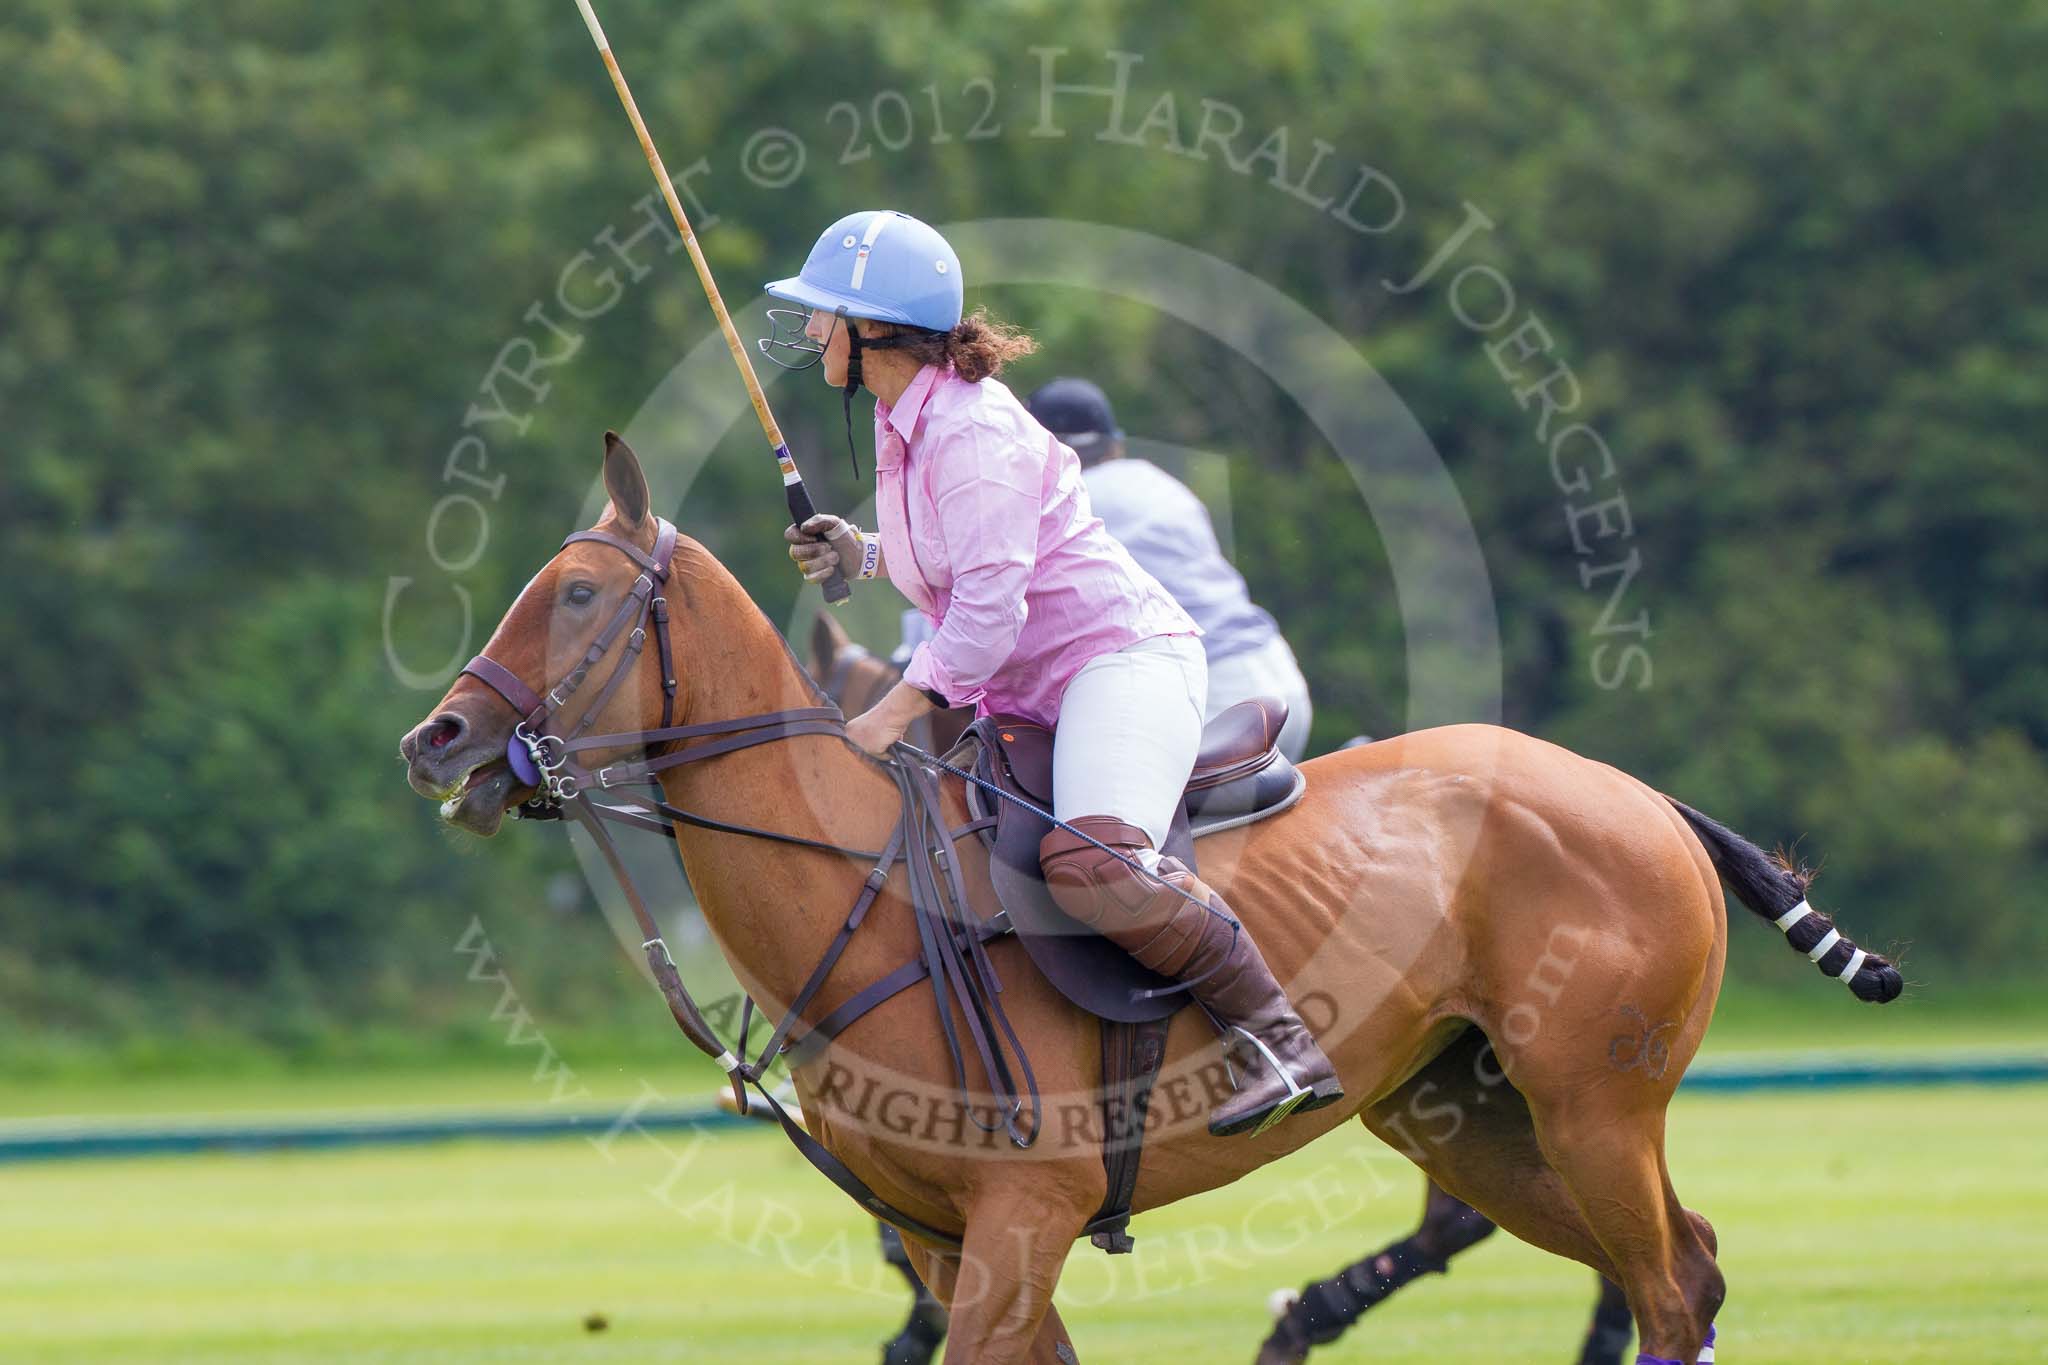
pixel 856 678
pixel 853 677
pixel 588 600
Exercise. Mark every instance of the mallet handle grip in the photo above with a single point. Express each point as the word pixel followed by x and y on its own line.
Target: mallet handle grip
pixel 837 589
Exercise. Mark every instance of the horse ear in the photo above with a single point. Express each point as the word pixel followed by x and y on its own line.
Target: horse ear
pixel 828 637
pixel 624 481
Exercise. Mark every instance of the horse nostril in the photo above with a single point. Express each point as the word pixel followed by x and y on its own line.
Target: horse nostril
pixel 441 731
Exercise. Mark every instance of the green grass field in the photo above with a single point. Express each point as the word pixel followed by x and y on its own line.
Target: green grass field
pixel 489 1074
pixel 1901 1225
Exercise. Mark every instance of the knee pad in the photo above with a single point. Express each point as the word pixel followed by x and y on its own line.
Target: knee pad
pixel 1145 914
pixel 1086 882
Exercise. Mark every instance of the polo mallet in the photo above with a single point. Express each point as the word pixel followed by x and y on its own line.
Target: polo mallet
pixel 800 508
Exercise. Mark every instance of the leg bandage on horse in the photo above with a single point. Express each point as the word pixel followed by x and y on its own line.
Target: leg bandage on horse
pixel 1328 1307
pixel 1192 938
pixel 1705 1357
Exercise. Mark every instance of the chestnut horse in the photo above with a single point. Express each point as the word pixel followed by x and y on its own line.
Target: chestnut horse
pixel 1510 953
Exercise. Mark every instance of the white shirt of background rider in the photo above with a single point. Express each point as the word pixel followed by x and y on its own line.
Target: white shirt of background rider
pixel 1168 531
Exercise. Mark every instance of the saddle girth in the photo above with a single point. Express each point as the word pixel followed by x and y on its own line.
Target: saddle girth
pixel 1131 1058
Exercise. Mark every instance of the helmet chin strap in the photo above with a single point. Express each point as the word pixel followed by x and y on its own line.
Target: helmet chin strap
pixel 854 378
pixel 852 386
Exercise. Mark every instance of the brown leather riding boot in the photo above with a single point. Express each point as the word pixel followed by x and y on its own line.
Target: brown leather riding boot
pixel 1201 943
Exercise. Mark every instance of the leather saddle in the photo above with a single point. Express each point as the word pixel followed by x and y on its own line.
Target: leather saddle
pixel 1239 776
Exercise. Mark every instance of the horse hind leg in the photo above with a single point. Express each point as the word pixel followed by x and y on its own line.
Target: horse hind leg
pixel 1599 1119
pixel 1470 1131
pixel 1611 1156
pixel 1543 1175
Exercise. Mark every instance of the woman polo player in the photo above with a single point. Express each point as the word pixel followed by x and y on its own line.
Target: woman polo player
pixel 985 526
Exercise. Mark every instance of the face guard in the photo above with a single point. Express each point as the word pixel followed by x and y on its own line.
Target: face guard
pixel 786 334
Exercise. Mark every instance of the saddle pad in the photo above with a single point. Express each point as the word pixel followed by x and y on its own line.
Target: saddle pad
pixel 1082 965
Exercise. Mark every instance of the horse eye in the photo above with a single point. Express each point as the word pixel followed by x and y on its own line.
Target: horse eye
pixel 579 595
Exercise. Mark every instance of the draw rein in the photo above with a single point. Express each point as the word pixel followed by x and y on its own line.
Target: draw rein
pixel 952 941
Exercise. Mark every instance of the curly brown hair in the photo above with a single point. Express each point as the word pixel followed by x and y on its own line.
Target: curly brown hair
pixel 977 348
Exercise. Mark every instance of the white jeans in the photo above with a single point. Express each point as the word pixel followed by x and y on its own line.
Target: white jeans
pixel 1268 671
pixel 1130 725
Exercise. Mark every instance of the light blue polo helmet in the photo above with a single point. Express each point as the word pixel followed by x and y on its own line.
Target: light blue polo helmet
pixel 883 265
pixel 879 265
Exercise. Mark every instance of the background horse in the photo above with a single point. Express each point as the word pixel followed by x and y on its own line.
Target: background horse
pixel 1510 953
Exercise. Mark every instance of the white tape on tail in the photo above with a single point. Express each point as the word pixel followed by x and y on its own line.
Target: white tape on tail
pixel 1820 949
pixel 1848 973
pixel 1793 916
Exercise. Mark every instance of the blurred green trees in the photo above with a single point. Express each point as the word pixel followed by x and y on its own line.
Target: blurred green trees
pixel 257 259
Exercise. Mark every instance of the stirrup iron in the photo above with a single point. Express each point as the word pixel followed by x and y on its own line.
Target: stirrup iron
pixel 1296 1091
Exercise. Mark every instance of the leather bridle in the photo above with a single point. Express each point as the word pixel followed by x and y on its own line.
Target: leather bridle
pixel 528 752
pixel 952 952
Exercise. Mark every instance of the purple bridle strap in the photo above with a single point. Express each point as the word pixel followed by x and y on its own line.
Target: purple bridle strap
pixel 506 684
pixel 520 698
pixel 656 564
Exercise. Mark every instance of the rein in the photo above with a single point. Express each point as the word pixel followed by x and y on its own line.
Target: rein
pixel 952 941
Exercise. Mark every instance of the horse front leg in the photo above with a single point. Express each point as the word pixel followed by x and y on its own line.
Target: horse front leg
pixel 1002 1287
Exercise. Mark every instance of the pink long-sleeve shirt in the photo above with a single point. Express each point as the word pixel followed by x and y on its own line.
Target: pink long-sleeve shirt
pixel 986 528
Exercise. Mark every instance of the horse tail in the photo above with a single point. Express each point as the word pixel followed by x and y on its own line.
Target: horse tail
pixel 1775 888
